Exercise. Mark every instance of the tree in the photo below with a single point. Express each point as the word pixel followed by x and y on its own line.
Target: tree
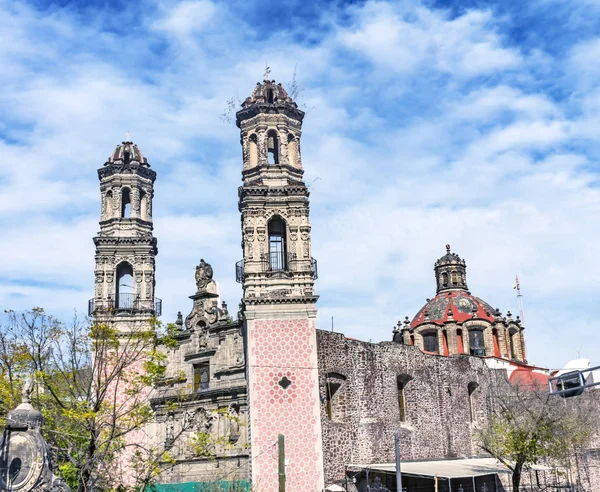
pixel 528 426
pixel 93 388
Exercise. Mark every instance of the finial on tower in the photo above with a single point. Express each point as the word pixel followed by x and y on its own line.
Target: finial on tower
pixel 267 71
pixel 128 136
pixel 448 248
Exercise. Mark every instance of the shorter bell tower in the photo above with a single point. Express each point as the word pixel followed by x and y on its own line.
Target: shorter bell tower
pixel 125 246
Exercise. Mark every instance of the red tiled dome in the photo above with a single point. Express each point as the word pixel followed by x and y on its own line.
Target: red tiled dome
pixel 460 303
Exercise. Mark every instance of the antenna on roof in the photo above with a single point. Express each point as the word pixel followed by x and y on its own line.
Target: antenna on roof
pixel 517 287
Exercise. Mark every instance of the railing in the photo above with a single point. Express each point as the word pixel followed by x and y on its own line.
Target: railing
pixel 278 263
pixel 125 303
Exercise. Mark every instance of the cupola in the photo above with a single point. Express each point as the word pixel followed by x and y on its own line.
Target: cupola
pixel 450 272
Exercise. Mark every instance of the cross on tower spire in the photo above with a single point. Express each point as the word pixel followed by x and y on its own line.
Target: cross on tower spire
pixel 267 71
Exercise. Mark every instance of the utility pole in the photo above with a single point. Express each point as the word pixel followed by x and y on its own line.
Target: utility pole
pixel 398 473
pixel 281 449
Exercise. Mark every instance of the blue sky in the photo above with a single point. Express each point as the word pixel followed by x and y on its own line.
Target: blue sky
pixel 465 122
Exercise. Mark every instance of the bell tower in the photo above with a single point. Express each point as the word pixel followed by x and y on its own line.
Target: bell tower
pixel 278 273
pixel 125 247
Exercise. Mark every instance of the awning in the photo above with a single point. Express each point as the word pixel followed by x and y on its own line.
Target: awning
pixel 474 467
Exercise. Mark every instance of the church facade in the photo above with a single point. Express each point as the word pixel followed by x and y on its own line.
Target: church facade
pixel 244 378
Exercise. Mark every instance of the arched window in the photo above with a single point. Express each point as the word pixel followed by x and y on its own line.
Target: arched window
pixel 412 339
pixel 471 387
pixel 430 342
pixel 444 279
pixel 253 150
pixel 124 292
pixel 277 258
pixel 476 342
pixel 273 147
pixel 270 96
pixel 444 342
pixel 460 346
pixel 401 381
pixel 143 205
pixel 108 204
pixel 454 278
pixel 335 396
pixel 292 150
pixel 496 343
pixel 125 203
pixel 513 344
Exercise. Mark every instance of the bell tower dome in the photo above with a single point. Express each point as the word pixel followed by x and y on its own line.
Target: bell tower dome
pixel 125 246
pixel 278 273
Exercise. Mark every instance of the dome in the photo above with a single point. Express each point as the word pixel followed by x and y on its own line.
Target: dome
pixel 268 93
pixel 127 153
pixel 453 305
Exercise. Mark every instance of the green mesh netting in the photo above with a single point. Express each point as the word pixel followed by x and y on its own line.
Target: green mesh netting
pixel 233 486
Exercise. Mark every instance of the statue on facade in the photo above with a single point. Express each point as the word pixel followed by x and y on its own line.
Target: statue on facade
pixel 204 275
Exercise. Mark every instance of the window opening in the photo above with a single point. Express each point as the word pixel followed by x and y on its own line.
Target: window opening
pixel 444 342
pixel 476 342
pixel 335 400
pixel 270 96
pixel 430 342
pixel 201 377
pixel 109 203
pixel 253 150
pixel 273 147
pixel 513 352
pixel 496 343
pixel 284 382
pixel 454 278
pixel 292 150
pixel 444 280
pixel 472 386
pixel 126 203
pixel 460 346
pixel 124 292
pixel 277 245
pixel 401 381
pixel 143 205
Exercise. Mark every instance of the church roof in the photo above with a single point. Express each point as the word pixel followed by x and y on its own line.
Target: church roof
pixel 127 152
pixel 455 305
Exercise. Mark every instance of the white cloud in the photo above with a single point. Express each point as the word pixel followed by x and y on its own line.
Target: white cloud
pixel 186 17
pixel 409 155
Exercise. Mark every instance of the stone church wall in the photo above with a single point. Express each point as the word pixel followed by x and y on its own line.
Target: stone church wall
pixel 439 421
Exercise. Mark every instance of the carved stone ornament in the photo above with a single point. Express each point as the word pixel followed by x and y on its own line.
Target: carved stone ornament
pixel 204 274
pixel 25 458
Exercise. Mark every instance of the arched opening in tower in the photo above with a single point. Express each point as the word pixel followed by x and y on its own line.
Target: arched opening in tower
pixel 292 150
pixel 277 244
pixel 273 147
pixel 126 203
pixel 124 294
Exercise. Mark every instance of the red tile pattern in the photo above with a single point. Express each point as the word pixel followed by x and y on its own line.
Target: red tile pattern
pixel 285 348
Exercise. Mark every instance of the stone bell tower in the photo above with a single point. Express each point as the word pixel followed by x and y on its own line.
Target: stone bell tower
pixel 278 275
pixel 125 246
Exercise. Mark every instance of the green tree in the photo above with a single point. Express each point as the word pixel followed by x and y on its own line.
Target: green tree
pixel 93 387
pixel 529 426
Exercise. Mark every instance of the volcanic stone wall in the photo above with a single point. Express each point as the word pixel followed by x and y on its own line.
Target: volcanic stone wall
pixel 360 418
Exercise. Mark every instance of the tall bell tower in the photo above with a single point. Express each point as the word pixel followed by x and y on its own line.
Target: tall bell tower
pixel 125 246
pixel 278 275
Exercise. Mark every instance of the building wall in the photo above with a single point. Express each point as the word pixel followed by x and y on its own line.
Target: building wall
pixel 437 422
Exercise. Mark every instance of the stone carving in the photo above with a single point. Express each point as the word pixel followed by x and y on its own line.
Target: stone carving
pixel 213 313
pixel 204 274
pixel 25 458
